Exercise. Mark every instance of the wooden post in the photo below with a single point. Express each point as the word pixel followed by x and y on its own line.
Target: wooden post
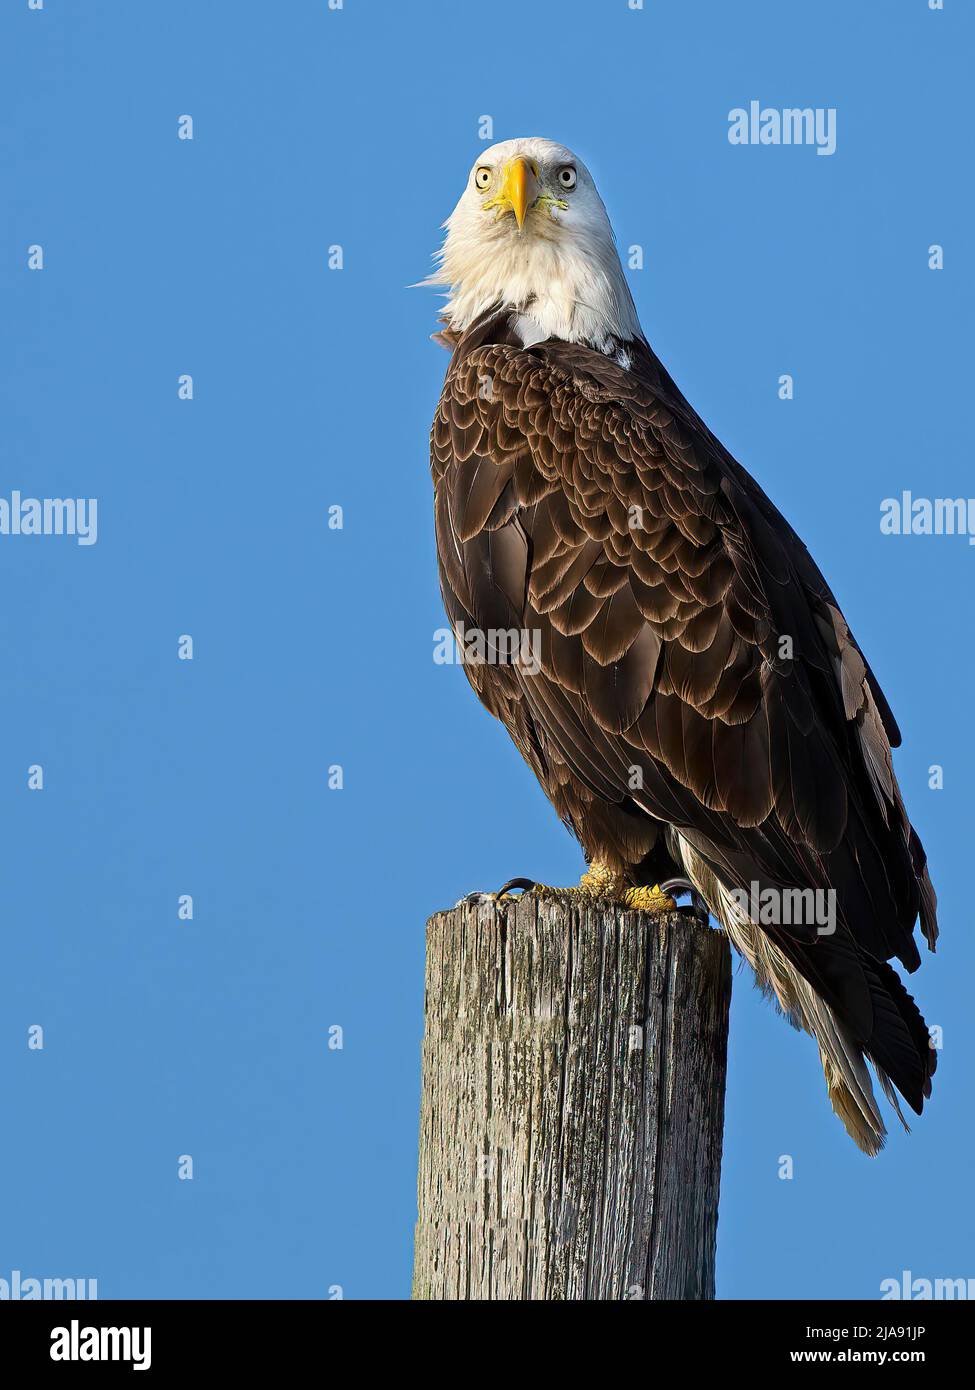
pixel 573 1100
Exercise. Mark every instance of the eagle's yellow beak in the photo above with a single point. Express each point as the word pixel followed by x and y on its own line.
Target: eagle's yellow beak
pixel 518 189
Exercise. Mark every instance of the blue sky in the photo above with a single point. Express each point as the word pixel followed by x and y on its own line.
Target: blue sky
pixel 312 647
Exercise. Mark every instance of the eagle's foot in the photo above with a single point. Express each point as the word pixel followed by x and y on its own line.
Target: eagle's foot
pixel 602 884
pixel 527 885
pixel 649 900
pixel 599 884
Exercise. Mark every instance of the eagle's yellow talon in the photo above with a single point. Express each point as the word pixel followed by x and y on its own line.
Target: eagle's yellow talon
pixel 648 900
pixel 598 884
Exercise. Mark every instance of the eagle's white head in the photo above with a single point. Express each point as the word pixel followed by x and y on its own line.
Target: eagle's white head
pixel 530 232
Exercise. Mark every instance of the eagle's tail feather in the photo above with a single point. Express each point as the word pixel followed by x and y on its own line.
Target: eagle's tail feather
pixel 848 1081
pixel 898 1045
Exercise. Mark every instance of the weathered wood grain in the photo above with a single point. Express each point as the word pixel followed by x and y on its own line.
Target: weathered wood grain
pixel 573 1101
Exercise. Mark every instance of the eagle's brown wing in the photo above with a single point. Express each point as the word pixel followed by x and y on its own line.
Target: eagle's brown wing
pixel 683 631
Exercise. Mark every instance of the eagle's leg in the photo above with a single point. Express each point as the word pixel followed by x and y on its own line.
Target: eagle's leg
pixel 601 883
pixel 598 884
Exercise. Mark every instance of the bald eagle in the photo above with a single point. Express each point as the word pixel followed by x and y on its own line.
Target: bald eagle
pixel 695 706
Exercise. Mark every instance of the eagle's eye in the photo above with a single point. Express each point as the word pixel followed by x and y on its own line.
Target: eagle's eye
pixel 482 178
pixel 567 177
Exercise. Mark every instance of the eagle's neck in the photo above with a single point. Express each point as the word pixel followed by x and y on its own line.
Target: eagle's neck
pixel 502 326
pixel 553 288
pixel 528 331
